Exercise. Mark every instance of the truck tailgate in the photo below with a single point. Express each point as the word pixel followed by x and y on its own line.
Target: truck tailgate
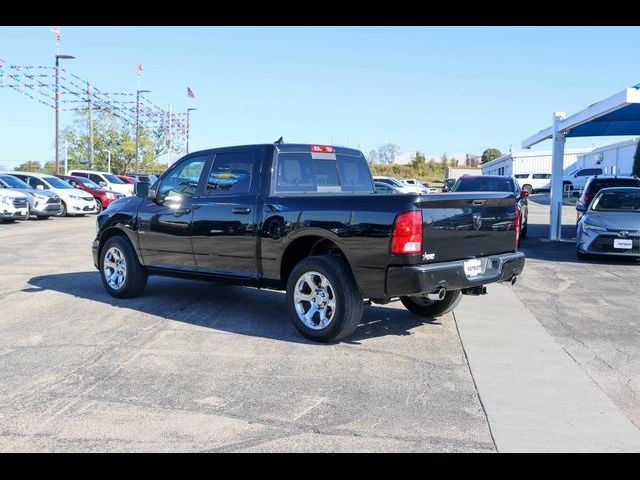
pixel 465 225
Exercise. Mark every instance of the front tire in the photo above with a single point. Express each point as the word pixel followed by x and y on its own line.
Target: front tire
pixel 582 256
pixel 423 307
pixel 528 189
pixel 122 274
pixel 323 299
pixel 63 210
pixel 98 206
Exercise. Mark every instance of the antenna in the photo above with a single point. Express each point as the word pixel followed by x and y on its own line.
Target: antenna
pixel 279 141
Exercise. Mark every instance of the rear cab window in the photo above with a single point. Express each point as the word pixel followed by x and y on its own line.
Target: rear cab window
pixel 321 172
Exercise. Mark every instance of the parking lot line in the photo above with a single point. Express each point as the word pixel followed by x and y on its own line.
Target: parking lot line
pixel 535 396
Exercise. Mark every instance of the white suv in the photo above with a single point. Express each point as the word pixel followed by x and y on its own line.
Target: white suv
pixel 533 182
pixel 578 178
pixel 401 187
pixel 13 205
pixel 74 200
pixel 105 180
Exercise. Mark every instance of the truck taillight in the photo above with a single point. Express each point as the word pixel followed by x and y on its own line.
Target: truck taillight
pixel 516 224
pixel 322 149
pixel 407 233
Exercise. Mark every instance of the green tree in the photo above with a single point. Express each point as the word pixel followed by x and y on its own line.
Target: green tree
pixel 636 161
pixel 490 154
pixel 30 166
pixel 110 133
pixel 419 163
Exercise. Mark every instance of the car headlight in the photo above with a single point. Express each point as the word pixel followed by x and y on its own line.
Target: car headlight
pixel 593 228
pixel 75 197
pixel 4 200
pixel 110 195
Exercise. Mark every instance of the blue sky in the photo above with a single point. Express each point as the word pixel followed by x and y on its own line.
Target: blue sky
pixel 435 89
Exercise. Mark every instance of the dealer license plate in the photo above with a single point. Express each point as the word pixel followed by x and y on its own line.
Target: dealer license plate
pixel 623 244
pixel 472 268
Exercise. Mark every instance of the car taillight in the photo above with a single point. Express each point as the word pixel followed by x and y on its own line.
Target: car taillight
pixel 322 149
pixel 407 233
pixel 516 225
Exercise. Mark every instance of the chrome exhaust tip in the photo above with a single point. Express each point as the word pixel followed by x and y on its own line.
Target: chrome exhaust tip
pixel 514 279
pixel 437 295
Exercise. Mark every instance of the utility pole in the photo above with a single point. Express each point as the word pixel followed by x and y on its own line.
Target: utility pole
pixel 138 92
pixel 58 58
pixel 66 158
pixel 109 160
pixel 170 146
pixel 189 125
pixel 90 126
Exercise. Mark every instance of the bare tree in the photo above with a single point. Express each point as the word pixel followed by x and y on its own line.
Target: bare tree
pixel 387 153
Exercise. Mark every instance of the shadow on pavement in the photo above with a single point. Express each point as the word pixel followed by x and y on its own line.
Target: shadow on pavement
pixel 243 310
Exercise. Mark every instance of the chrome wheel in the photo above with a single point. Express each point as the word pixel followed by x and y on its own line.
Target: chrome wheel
pixel 114 268
pixel 315 300
pixel 98 205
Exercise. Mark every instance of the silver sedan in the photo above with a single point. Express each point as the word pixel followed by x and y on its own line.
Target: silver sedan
pixel 611 225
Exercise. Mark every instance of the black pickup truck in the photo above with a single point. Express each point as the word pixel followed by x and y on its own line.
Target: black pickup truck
pixel 305 219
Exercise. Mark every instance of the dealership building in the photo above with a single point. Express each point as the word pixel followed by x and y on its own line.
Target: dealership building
pixel 531 161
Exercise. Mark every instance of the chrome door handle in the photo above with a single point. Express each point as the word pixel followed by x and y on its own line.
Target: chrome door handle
pixel 241 210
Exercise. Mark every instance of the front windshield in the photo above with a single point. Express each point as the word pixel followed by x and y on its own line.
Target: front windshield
pixel 13 182
pixel 112 178
pixel 620 201
pixel 55 182
pixel 86 182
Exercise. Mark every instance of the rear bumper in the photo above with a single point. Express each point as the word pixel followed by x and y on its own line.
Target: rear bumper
pixel 411 280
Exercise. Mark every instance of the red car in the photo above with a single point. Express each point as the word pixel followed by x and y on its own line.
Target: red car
pixel 126 179
pixel 103 197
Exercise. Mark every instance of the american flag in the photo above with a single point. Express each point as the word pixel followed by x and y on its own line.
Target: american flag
pixel 58 33
pixel 139 70
pixel 190 93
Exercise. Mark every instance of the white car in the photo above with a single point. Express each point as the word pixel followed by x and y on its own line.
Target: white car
pixel 13 205
pixel 74 201
pixel 412 182
pixel 577 179
pixel 533 182
pixel 105 180
pixel 401 187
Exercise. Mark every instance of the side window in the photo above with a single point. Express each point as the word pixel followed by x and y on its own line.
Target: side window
pixel 183 180
pixel 96 178
pixel 80 174
pixel 34 182
pixel 232 173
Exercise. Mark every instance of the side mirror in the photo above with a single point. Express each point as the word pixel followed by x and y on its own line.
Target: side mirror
pixel 142 190
pixel 523 194
pixel 39 187
pixel 102 184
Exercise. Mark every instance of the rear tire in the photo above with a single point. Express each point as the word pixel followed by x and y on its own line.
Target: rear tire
pixel 424 307
pixel 42 217
pixel 525 228
pixel 321 290
pixel 122 274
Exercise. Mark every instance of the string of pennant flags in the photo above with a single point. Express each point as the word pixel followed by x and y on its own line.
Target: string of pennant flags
pixel 37 83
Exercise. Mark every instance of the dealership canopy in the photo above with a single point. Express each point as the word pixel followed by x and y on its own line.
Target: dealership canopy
pixel 617 115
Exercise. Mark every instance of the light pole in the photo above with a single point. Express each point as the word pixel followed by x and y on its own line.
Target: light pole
pixel 138 92
pixel 188 125
pixel 58 58
pixel 109 160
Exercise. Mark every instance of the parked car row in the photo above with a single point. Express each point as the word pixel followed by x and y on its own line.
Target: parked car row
pixel 80 192
pixel 387 185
